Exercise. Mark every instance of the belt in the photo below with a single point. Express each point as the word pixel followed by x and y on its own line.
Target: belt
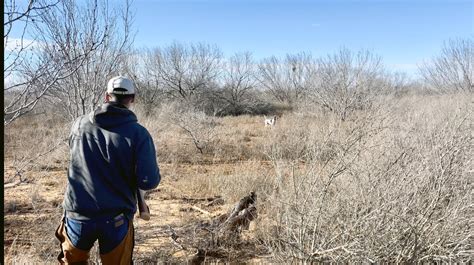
pixel 105 217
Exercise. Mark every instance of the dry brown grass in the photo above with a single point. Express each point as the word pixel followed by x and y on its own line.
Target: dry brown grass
pixel 390 185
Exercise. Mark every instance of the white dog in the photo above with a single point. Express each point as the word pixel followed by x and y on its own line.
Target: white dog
pixel 271 121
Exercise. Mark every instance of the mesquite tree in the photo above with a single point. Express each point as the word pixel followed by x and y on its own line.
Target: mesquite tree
pixel 187 70
pixel 141 66
pixel 453 69
pixel 348 81
pixel 93 31
pixel 238 80
pixel 287 80
pixel 21 68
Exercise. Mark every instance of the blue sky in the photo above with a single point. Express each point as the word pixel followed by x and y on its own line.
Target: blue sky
pixel 403 32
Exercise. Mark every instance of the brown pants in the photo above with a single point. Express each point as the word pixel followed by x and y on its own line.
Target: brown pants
pixel 122 254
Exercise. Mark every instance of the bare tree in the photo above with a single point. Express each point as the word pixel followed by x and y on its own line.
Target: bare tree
pixel 142 67
pixel 347 81
pixel 20 97
pixel 238 79
pixel 95 31
pixel 287 80
pixel 75 48
pixel 19 17
pixel 453 69
pixel 186 70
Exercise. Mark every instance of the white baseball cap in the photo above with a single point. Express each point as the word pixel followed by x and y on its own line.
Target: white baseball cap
pixel 126 85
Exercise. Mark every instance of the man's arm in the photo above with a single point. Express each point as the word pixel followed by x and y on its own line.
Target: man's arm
pixel 147 171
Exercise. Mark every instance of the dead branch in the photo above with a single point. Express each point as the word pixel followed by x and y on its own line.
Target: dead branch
pixel 12 184
pixel 215 237
pixel 201 210
pixel 242 214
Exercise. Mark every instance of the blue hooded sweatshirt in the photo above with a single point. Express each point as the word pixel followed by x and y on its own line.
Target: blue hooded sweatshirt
pixel 111 157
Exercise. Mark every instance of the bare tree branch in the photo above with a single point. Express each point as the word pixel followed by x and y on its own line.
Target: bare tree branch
pixel 453 69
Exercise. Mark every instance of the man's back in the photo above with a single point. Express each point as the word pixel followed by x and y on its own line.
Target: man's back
pixel 111 156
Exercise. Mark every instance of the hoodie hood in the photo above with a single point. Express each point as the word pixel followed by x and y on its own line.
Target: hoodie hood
pixel 111 115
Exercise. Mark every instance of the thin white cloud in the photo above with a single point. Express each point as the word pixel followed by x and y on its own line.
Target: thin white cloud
pixel 315 25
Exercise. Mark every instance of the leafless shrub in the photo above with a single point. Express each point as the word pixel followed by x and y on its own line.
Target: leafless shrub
pixel 394 190
pixel 196 124
pixel 198 75
pixel 238 78
pixel 289 79
pixel 142 67
pixel 453 69
pixel 185 70
pixel 347 81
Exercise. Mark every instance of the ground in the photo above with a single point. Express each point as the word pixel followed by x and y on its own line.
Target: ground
pixel 32 211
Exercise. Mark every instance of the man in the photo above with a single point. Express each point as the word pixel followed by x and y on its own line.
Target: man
pixel 112 156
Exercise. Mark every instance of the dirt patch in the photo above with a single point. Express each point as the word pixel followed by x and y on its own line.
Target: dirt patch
pixel 32 211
